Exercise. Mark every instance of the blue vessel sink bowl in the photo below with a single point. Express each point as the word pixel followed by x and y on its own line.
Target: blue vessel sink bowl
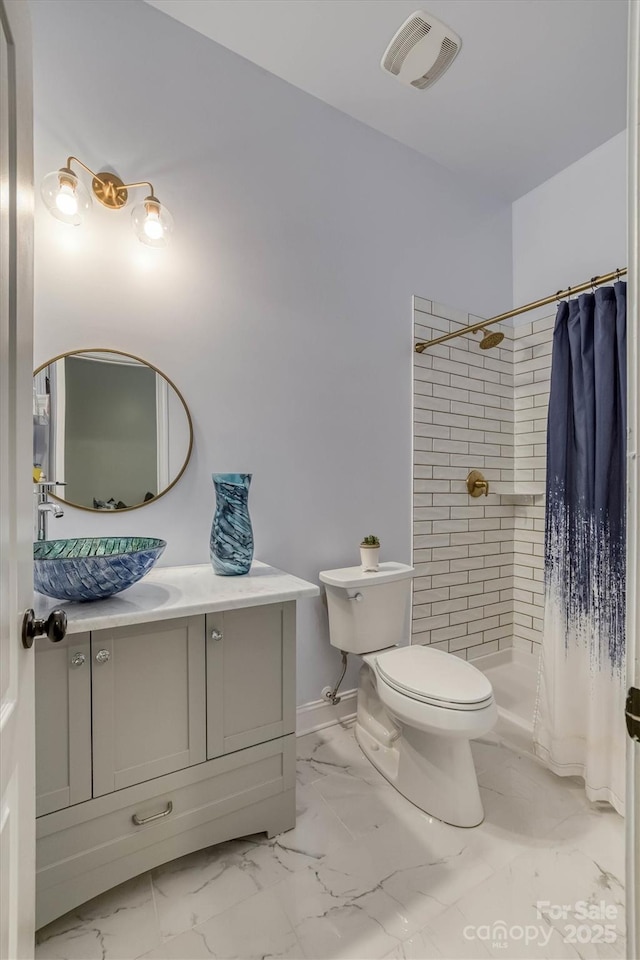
pixel 92 568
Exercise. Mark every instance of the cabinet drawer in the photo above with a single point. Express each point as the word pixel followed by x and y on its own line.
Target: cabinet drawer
pixel 95 845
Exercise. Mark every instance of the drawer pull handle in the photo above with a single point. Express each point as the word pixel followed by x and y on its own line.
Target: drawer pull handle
pixel 157 816
pixel 216 635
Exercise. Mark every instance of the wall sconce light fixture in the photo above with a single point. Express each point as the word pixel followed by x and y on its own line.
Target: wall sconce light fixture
pixel 67 199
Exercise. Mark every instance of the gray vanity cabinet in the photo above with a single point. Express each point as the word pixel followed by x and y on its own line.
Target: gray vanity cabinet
pixel 148 695
pixel 250 676
pixel 160 738
pixel 63 723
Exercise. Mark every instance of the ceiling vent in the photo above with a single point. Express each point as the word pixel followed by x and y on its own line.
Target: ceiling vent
pixel 421 51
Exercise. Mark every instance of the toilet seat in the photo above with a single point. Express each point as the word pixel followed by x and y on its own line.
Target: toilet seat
pixel 434 677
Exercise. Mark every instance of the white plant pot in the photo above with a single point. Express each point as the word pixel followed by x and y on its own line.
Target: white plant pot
pixel 369 558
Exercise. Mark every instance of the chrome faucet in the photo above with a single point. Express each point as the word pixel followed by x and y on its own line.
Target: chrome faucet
pixel 46 506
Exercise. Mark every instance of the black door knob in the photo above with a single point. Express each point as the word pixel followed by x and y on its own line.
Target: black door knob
pixel 54 627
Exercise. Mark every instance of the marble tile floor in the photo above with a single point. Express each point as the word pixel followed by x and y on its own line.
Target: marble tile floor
pixel 365 874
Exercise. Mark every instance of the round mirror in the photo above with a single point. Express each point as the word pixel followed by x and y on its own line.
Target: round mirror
pixel 111 427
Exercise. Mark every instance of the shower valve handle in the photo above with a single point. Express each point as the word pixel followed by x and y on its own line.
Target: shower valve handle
pixel 477 485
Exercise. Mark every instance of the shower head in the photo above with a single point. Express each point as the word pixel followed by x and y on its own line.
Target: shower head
pixel 490 340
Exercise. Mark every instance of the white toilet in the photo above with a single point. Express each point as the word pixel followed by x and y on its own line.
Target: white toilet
pixel 418 708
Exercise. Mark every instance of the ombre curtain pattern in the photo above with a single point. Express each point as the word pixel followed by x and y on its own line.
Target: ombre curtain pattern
pixel 579 722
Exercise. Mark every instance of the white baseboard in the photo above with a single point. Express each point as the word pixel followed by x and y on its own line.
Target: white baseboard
pixel 320 713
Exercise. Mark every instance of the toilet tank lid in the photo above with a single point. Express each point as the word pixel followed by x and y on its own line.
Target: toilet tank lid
pixel 347 577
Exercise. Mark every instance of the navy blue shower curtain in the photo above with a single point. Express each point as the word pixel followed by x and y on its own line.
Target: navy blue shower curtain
pixel 586 464
pixel 579 714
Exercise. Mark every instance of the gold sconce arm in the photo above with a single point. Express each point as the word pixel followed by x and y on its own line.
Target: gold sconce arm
pixel 108 188
pixel 71 160
pixel 141 183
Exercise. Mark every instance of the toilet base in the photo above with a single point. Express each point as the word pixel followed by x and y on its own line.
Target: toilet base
pixel 435 772
pixel 445 787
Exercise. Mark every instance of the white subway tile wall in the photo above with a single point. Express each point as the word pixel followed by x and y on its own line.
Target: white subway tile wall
pixel 533 344
pixel 479 562
pixel 463 548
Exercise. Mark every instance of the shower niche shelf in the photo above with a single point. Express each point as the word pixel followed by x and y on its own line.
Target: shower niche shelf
pixel 525 492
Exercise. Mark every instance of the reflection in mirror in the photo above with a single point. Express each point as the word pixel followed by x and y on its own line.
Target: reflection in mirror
pixel 109 426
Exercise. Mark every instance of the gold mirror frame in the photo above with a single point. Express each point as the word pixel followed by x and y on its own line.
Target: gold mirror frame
pixel 123 353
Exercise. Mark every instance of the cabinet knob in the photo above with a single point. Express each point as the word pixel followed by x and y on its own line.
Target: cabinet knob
pixel 78 659
pixel 216 635
pixel 102 656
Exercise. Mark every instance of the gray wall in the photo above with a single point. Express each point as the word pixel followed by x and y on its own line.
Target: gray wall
pixel 573 226
pixel 283 308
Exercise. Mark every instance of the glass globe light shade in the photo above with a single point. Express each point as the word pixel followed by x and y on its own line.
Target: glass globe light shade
pixel 152 222
pixel 65 197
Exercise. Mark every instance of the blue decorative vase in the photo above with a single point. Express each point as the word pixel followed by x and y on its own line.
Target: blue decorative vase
pixel 231 543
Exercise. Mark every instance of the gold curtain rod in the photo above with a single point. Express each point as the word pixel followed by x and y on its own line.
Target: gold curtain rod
pixel 474 327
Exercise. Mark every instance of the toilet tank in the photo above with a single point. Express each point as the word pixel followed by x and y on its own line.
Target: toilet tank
pixel 368 611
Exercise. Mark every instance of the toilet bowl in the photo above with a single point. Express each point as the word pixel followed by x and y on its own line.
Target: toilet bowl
pixel 418 707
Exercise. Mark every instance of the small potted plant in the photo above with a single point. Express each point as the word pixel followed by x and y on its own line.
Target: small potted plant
pixel 370 554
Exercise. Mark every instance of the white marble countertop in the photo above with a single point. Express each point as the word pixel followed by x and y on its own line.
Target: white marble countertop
pixel 168 592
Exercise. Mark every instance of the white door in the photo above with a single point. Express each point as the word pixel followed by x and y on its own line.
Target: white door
pixel 633 526
pixel 17 800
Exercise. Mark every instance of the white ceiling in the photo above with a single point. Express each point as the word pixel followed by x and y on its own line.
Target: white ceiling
pixel 537 83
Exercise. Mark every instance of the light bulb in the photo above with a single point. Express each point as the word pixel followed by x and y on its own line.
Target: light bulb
pixel 152 226
pixel 152 222
pixel 66 200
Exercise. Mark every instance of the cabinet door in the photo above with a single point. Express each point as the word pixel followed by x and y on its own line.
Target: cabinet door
pixel 148 685
pixel 250 676
pixel 63 723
